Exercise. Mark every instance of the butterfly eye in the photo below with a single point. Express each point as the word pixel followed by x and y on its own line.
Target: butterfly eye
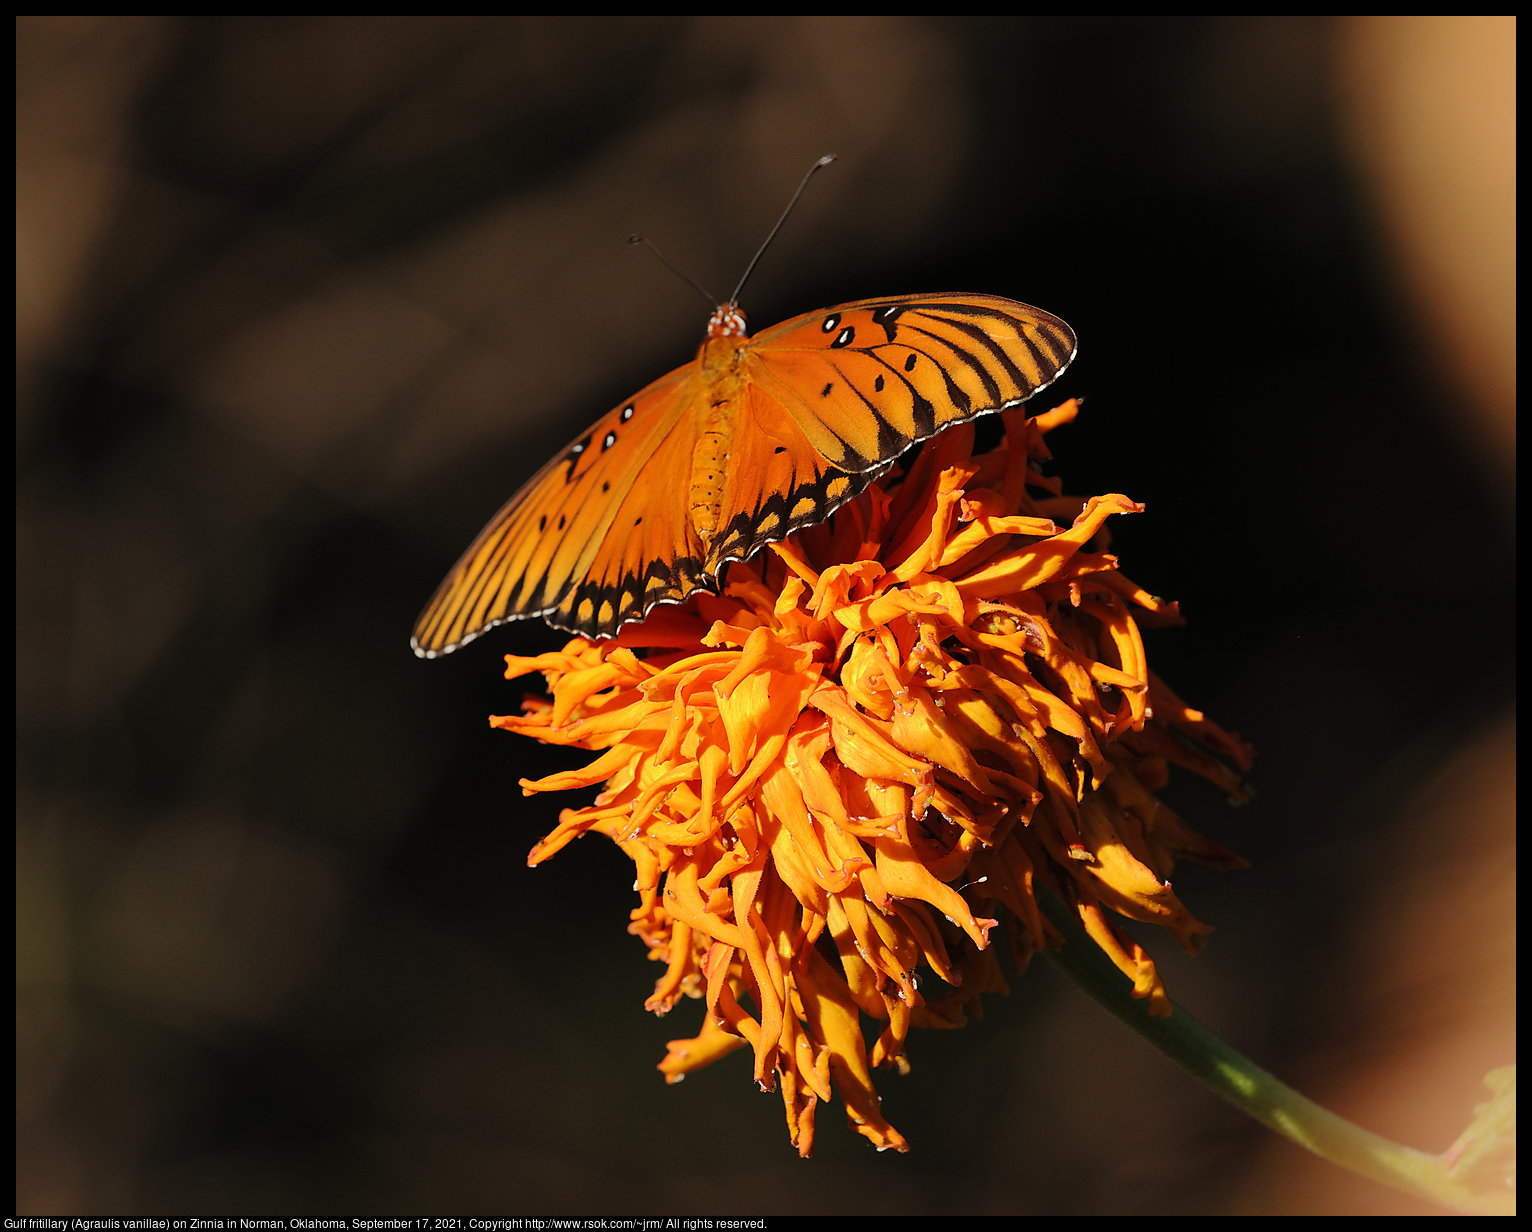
pixel 844 337
pixel 830 323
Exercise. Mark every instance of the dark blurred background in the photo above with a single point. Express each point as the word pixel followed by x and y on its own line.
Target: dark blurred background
pixel 303 300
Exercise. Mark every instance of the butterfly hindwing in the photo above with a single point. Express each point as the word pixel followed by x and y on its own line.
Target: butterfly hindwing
pixel 644 552
pixel 777 481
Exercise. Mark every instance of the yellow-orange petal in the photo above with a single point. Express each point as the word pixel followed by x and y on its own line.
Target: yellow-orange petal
pixel 906 877
pixel 832 1017
pixel 1038 563
pixel 1129 957
pixel 682 1056
pixel 865 748
pixel 1127 885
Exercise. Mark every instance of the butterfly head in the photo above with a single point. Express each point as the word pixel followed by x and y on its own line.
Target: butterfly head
pixel 727 321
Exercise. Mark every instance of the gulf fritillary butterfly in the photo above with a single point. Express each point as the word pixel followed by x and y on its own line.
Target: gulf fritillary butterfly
pixel 752 440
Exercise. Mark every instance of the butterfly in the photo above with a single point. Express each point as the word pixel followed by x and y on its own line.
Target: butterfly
pixel 754 439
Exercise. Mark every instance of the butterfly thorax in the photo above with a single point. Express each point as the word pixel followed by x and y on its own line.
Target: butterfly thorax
pixel 718 370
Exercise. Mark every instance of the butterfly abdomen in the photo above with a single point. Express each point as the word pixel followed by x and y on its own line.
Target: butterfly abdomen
pixel 710 461
pixel 713 452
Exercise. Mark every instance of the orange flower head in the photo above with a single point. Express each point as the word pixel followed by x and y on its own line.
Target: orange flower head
pixel 860 761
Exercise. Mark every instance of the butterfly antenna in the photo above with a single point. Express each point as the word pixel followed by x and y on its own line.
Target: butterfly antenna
pixel 823 162
pixel 686 278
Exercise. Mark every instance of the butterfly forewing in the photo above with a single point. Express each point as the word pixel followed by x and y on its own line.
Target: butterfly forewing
pixel 869 379
pixel 547 541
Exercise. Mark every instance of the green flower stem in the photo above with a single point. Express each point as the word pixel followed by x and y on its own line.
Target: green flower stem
pixel 1214 1064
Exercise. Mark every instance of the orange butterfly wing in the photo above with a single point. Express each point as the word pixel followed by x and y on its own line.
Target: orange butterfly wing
pixel 584 544
pixel 851 388
pixel 826 402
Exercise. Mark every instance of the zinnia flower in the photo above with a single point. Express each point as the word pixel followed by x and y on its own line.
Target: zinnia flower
pixel 864 756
